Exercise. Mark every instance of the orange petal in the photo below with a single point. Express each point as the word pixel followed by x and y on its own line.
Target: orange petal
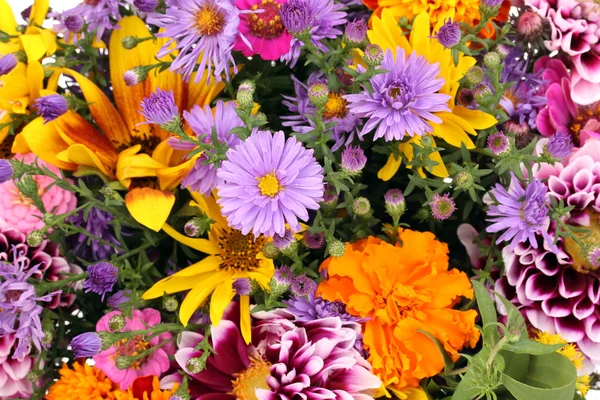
pixel 150 207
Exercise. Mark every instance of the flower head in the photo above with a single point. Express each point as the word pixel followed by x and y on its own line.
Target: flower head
pixel 242 286
pixel 269 181
pixel 403 100
pixel 442 207
pixel 122 296
pixel 283 241
pixel 131 77
pixel 283 275
pixel 302 285
pixel 102 278
pixel 449 34
pixel 145 5
pixel 98 14
pixel 560 145
pixel 51 107
pixel 160 109
pixel 353 159
pixel 81 382
pixel 314 241
pixel 211 25
pixel 86 345
pixel 8 62
pixel 498 143
pixel 356 32
pixel 530 25
pixel 594 257
pixel 312 308
pixel 99 224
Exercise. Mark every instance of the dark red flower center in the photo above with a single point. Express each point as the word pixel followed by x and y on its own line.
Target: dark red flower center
pixel 266 24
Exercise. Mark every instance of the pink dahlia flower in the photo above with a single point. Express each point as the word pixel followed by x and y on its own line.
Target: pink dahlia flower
pixel 18 211
pixel 13 372
pixel 154 364
pixel 263 29
pixel 575 31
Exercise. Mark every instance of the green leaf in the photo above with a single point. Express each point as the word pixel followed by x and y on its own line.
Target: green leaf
pixel 528 346
pixel 549 376
pixel 515 318
pixel 515 365
pixel 468 388
pixel 448 364
pixel 487 310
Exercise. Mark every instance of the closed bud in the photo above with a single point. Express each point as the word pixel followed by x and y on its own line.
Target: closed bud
pixel 107 191
pixel 27 186
pixel 195 227
pixel 318 94
pixel 260 116
pixel 395 204
pixel 464 180
pixel 336 248
pixel 108 338
pixel 330 197
pixel 116 323
pixel 170 303
pixel 18 168
pixel 483 94
pixel 245 95
pixel 135 75
pixel 129 42
pixel 361 206
pixel 123 362
pixel 427 141
pixel 356 32
pixel 35 238
pixel 530 25
pixel 373 55
pixel 475 75
pixel 34 376
pixel 195 365
pixel 6 170
pixel 270 251
pixel 492 60
pixel 48 336
pixel 21 56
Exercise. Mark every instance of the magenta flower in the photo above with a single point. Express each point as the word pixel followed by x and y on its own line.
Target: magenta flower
pixel 442 207
pixel 269 181
pixel 156 363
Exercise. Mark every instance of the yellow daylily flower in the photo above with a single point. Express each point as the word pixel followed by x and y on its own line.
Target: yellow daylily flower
pixel 230 256
pixel 137 155
pixel 457 124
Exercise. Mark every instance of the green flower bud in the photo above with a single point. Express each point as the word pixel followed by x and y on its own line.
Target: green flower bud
pixel 129 42
pixel 245 95
pixel 34 376
pixel 464 180
pixel 21 56
pixel 48 336
pixel 492 60
pixel 123 362
pixel 196 227
pixel 361 206
pixel 318 94
pixel 107 191
pixel 260 116
pixel 27 186
pixel 195 365
pixel 19 169
pixel 35 238
pixel 427 141
pixel 475 75
pixel 373 55
pixel 270 251
pixel 170 304
pixel 337 248
pixel 290 249
pixel 116 323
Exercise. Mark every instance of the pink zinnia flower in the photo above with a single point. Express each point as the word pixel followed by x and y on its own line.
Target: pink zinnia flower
pixel 154 364
pixel 18 212
pixel 263 29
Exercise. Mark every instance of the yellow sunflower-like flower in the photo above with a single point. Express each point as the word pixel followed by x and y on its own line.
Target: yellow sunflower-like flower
pixel 83 382
pixel 230 256
pixel 466 11
pixel 457 124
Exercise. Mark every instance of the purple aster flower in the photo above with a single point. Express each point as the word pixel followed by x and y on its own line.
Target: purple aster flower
pixel 269 181
pixel 6 170
pixel 205 29
pixel 449 34
pixel 317 17
pixel 594 257
pixel 51 107
pixel 160 109
pixel 302 285
pixel 521 213
pixel 8 62
pixel 122 296
pixel 394 197
pixel 69 24
pixel 356 31
pixel 335 110
pixel 86 345
pixel 102 278
pixel 146 5
pixel 203 176
pixel 442 207
pixel 98 14
pixel 353 159
pixel 242 286
pixel 498 143
pixel 403 100
pixel 283 275
pixel 560 144
pixel 315 241
pixel 97 223
pixel 283 241
pixel 19 308
pixel 311 308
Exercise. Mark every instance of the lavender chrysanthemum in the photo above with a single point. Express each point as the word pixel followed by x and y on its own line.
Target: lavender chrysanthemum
pixel 311 308
pixel 205 29
pixel 102 278
pixel 283 241
pixel 131 78
pixel 319 18
pixel 97 223
pixel 403 100
pixel 449 34
pixel 203 176
pixel 521 213
pixel 560 144
pixel 98 15
pixel 51 107
pixel 8 62
pixel 160 108
pixel 146 5
pixel 86 345
pixel 269 181
pixel 356 31
pixel 69 24
pixel 442 207
pixel 394 197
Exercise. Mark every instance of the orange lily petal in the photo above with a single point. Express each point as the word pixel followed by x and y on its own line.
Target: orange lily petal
pixel 150 207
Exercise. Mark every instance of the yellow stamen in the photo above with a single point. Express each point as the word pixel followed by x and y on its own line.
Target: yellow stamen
pixel 269 185
pixel 255 376
pixel 335 106
pixel 209 21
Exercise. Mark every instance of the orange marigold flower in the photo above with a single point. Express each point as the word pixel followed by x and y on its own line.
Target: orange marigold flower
pixel 83 382
pixel 402 290
pixel 146 388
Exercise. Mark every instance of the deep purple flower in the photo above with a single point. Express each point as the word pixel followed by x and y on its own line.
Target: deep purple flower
pixel 521 213
pixel 319 18
pixel 97 223
pixel 242 286
pixel 449 34
pixel 122 296
pixel 498 143
pixel 86 345
pixel 146 5
pixel 102 278
pixel 160 108
pixel 6 170
pixel 51 107
pixel 269 181
pixel 203 176
pixel 403 100
pixel 442 207
pixel 356 31
pixel 8 62
pixel 353 159
pixel 284 241
pixel 560 144
pixel 315 241
pixel 205 29
pixel 283 275
pixel 302 285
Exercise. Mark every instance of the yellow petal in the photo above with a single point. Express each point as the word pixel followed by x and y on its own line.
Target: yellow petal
pixel 8 23
pixel 452 133
pixel 76 129
pixel 35 75
pixel 81 155
pixel 203 245
pixel 387 34
pixel 49 39
pixel 38 12
pixel 209 206
pixel 45 142
pixel 150 207
pixel 245 323
pixel 19 146
pixel 170 178
pixel 220 299
pixel 172 284
pixel 476 118
pixel 34 46
pixel 199 294
pixel 130 166
pixel 419 35
pixel 464 125
pixel 390 168
pixel 208 264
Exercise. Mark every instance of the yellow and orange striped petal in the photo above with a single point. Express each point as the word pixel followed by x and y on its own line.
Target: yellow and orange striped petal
pixel 150 207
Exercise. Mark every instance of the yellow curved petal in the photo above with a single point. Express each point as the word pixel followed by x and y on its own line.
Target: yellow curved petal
pixel 419 35
pixel 19 146
pixel 34 46
pixel 45 141
pixel 464 125
pixel 8 23
pixel 452 134
pixel 18 87
pixel 130 166
pixel 209 206
pixel 387 34
pixel 38 12
pixel 172 284
pixel 476 118
pixel 198 295
pixel 49 39
pixel 440 169
pixel 203 245
pixel 170 178
pixel 150 207
pixel 245 323
pixel 207 264
pixel 390 168
pixel 81 155
pixel 220 299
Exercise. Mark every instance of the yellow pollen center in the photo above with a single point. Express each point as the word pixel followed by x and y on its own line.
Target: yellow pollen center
pixel 335 106
pixel 209 21
pixel 254 377
pixel 269 185
pixel 581 263
pixel 132 347
pixel 238 251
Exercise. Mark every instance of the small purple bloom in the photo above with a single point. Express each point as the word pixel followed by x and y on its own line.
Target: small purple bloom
pixel 131 78
pixel 449 34
pixel 242 286
pixel 122 296
pixel 498 143
pixel 302 285
pixel 8 62
pixel 283 242
pixel 560 144
pixel 353 159
pixel 492 3
pixel 283 275
pixel 51 107
pixel 296 16
pixel 442 207
pixel 394 197
pixel 73 23
pixel 86 345
pixel 311 308
pixel 102 278
pixel 594 257
pixel 268 181
pixel 146 5
pixel 6 170
pixel 521 213
pixel 315 241
pixel 356 31
pixel 160 108
pixel 98 223
pixel 98 14
pixel 403 100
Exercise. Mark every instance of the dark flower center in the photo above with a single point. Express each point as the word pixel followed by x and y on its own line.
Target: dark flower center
pixel 579 123
pixel 266 24
pixel 13 295
pixel 6 145
pixel 238 251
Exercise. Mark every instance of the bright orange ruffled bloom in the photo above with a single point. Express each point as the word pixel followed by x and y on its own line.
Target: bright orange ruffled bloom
pixel 82 383
pixel 403 289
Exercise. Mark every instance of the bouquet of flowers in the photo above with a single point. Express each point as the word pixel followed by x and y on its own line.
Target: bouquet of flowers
pixel 300 199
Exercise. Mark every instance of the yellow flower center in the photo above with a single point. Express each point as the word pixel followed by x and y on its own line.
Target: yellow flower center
pixel 266 24
pixel 132 347
pixel 209 21
pixel 238 251
pixel 581 262
pixel 269 185
pixel 254 377
pixel 581 120
pixel 335 106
